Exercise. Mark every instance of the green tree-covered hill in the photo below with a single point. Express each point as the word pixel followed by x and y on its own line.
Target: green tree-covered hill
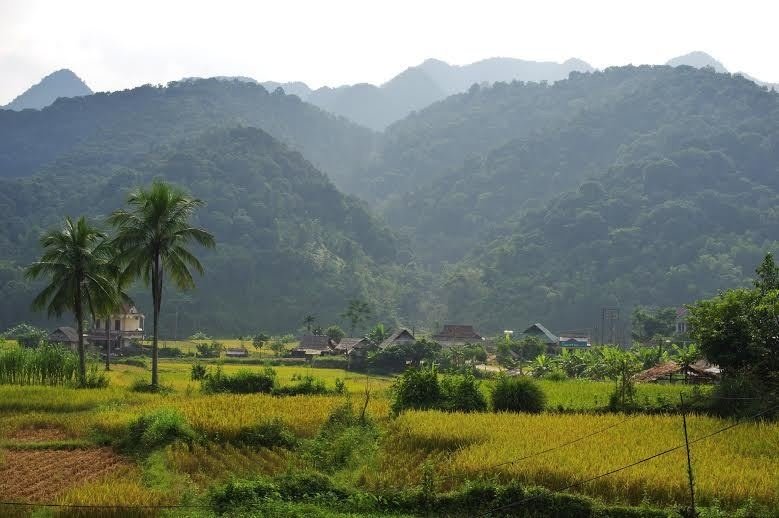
pixel 289 243
pixel 119 127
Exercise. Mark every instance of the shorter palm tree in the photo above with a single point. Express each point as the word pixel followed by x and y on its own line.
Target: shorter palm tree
pixel 77 268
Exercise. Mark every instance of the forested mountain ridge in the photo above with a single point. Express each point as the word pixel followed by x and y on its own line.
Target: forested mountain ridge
pixel 289 243
pixel 62 83
pixel 118 127
pixel 563 133
pixel 684 207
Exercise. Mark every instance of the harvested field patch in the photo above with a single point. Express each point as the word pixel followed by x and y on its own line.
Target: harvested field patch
pixel 39 435
pixel 41 475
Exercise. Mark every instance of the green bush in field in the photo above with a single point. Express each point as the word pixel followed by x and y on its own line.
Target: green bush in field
pixel 242 382
pixel 270 434
pixel 160 428
pixel 461 393
pixel 517 394
pixel 306 385
pixel 198 372
pixel 416 389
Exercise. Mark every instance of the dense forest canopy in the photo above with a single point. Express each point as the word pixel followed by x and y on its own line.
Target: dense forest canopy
pixel 289 243
pixel 119 127
pixel 504 205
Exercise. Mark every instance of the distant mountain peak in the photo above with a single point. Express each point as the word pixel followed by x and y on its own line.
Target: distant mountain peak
pixel 61 83
pixel 697 59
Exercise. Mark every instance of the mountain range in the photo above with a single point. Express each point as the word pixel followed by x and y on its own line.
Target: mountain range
pixel 504 204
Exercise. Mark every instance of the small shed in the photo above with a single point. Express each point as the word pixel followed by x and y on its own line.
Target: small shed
pixel 236 352
pixel 698 372
pixel 400 336
pixel 457 334
pixel 66 336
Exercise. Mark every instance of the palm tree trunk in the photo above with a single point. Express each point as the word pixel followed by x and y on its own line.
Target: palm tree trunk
pixel 156 296
pixel 82 361
pixel 108 343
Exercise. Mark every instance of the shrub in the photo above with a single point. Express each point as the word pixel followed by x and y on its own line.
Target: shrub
pixel 198 372
pixel 517 394
pixel 269 434
pixel 330 362
pixel 143 386
pixel 160 428
pixel 306 385
pixel 555 375
pixel 133 362
pixel 95 378
pixel 242 382
pixel 26 335
pixel 212 350
pixel 461 393
pixel 168 352
pixel 416 389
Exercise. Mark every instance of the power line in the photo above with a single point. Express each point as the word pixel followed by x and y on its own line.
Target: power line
pixel 622 468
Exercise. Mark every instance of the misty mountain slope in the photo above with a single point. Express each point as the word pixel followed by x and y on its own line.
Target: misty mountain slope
pixel 115 128
pixel 697 59
pixel 289 243
pixel 436 141
pixel 685 207
pixel 377 107
pixel 62 83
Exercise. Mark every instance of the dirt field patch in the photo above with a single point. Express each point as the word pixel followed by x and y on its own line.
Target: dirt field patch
pixel 39 435
pixel 41 475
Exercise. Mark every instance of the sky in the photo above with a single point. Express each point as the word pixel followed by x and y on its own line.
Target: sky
pixel 115 45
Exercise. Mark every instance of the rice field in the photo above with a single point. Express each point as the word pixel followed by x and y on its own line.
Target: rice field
pixel 731 467
pixel 67 429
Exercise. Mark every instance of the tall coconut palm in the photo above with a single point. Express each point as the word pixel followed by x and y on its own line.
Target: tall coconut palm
pixel 151 237
pixel 76 265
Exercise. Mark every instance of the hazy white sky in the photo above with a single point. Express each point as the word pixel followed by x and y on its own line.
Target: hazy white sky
pixel 114 45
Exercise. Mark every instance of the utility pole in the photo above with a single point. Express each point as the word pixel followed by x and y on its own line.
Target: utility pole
pixel 689 460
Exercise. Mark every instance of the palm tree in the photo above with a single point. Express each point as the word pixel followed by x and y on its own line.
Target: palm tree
pixel 152 237
pixel 77 267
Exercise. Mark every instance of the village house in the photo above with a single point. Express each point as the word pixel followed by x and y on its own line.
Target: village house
pixel 314 345
pixel 681 326
pixel 573 342
pixel 539 331
pixel 455 334
pixel 122 328
pixel 64 336
pixel 400 336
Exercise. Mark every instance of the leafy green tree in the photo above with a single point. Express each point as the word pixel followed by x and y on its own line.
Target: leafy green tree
pixel 77 269
pixel 378 334
pixel 279 344
pixel 686 355
pixel 335 333
pixel 357 313
pixel 152 238
pixel 767 275
pixel 648 324
pixel 308 322
pixel 259 340
pixel 26 335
